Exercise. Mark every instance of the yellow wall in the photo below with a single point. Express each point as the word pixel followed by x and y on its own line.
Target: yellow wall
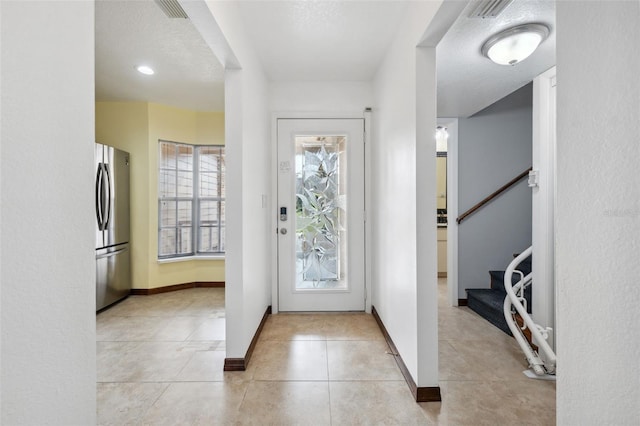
pixel 136 127
pixel 125 125
pixel 179 125
pixel 210 128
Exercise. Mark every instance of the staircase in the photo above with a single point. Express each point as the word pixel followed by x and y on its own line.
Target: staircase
pixel 489 302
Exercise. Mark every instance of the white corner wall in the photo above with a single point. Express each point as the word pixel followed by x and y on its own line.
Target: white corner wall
pixel 247 138
pixel 47 272
pixel 598 213
pixel 426 183
pixel 403 200
pixel 256 185
pixel 1 134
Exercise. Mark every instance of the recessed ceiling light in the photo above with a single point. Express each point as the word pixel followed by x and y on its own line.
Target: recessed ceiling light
pixel 145 70
pixel 515 44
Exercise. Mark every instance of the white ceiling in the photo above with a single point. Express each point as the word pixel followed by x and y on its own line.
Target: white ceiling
pixel 303 41
pixel 134 32
pixel 321 40
pixel 467 81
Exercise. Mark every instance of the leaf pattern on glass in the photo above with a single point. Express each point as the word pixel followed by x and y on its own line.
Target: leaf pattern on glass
pixel 318 210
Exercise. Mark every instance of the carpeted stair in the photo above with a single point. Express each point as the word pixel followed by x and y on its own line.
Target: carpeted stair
pixel 489 302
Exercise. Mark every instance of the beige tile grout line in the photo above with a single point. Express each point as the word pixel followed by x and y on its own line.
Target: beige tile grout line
pixel 326 350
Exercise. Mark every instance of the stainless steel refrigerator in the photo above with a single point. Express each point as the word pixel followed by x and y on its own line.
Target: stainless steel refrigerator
pixel 113 256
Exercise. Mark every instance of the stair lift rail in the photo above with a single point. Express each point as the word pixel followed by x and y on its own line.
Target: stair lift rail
pixel 515 299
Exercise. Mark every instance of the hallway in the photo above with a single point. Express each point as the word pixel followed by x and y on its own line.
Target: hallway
pixel 160 361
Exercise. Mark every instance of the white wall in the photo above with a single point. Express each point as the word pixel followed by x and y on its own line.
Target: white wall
pixel 248 256
pixel 256 173
pixel 1 133
pixel 426 236
pixel 48 370
pixel 543 198
pixel 404 294
pixel 598 213
pixel 320 97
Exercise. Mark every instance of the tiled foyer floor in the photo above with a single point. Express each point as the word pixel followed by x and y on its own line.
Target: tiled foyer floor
pixel 160 362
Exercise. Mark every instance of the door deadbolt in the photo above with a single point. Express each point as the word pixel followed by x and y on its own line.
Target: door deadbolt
pixel 283 231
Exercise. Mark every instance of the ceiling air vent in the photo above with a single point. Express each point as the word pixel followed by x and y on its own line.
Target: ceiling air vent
pixel 172 8
pixel 489 8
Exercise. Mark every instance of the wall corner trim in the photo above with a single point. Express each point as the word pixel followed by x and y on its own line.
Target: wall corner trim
pixel 241 364
pixel 420 394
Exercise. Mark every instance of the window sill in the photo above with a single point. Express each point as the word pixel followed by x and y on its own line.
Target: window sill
pixel 190 258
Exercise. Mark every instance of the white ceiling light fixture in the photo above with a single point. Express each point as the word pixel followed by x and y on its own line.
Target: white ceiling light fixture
pixel 146 70
pixel 515 44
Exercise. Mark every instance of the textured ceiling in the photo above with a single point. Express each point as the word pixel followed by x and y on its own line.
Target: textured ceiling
pixel 467 81
pixel 303 41
pixel 321 40
pixel 129 33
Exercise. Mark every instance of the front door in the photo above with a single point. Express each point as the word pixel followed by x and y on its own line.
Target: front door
pixel 321 215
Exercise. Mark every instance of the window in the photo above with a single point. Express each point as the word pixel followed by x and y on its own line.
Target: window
pixel 191 197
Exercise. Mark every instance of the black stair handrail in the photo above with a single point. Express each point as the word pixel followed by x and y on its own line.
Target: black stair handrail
pixel 491 197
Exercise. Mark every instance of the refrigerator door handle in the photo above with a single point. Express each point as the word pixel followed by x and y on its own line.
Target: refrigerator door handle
pixel 109 194
pixel 113 253
pixel 99 198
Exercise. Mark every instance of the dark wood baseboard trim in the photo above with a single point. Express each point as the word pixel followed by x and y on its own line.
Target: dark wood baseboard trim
pixel 428 394
pixel 234 364
pixel 462 302
pixel 421 394
pixel 241 364
pixel 254 341
pixel 175 287
pixel 210 284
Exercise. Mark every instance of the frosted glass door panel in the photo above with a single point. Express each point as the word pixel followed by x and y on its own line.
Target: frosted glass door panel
pixel 320 212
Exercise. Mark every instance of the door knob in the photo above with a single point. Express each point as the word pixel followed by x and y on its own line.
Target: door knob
pixel 283 231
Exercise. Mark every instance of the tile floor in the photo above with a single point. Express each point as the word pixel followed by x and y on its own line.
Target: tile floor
pixel 160 362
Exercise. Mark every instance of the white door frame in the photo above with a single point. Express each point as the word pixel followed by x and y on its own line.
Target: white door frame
pixel 452 208
pixel 543 200
pixel 272 203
